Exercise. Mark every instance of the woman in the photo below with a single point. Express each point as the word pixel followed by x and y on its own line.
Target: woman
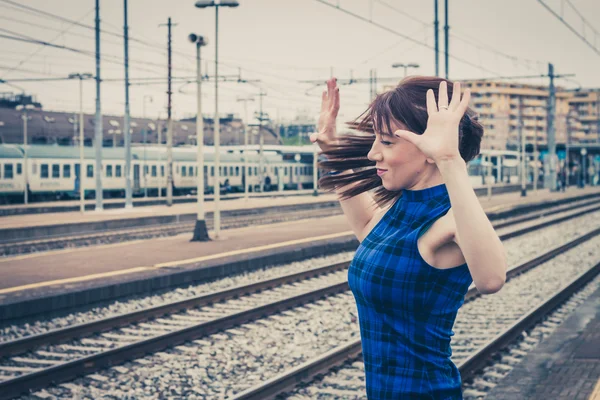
pixel 424 236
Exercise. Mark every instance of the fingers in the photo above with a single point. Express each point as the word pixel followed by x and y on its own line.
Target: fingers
pixel 464 103
pixel 407 135
pixel 324 100
pixel 443 96
pixel 455 97
pixel 431 106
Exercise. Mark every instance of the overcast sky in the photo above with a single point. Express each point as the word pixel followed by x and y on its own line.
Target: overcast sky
pixel 282 43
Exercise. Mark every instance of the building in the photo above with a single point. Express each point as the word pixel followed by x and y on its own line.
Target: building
pixel 497 104
pixel 586 104
pixel 52 127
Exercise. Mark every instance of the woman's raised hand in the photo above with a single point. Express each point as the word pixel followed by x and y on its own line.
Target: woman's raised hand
pixel 326 135
pixel 439 142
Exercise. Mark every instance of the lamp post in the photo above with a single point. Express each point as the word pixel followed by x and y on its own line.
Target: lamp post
pixel 405 66
pixel 25 117
pixel 200 231
pixel 216 4
pixel 81 77
pixel 245 171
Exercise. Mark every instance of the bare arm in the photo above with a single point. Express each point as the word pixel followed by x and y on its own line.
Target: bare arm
pixel 360 210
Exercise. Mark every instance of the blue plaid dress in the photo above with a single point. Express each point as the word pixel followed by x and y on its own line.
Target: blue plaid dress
pixel 406 308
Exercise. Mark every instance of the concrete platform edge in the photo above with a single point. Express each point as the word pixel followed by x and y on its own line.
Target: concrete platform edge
pixel 33 303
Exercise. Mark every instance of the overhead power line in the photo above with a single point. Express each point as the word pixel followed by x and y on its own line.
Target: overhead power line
pixel 586 27
pixel 408 38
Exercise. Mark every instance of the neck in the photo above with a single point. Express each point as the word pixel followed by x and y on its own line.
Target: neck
pixel 430 178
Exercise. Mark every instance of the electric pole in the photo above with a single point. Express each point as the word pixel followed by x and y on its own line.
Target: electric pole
pixel 550 178
pixel 126 129
pixel 169 118
pixel 436 34
pixel 98 120
pixel 446 37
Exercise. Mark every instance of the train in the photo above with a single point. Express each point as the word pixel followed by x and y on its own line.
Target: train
pixel 53 172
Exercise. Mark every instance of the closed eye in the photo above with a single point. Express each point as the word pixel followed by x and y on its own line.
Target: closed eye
pixel 383 142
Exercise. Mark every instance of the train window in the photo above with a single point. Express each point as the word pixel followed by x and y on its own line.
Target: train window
pixel 109 169
pixel 19 169
pixel 230 171
pixel 67 171
pixel 255 171
pixel 291 170
pixel 162 170
pixel 76 168
pixel 117 171
pixel 183 171
pixel 0 170
pixel 190 171
pixel 224 171
pixel 90 171
pixel 297 172
pixel 276 170
pixel 146 169
pixel 205 170
pixel 237 171
pixel 285 171
pixel 154 170
pixel 8 171
pixel 55 170
pixel 250 171
pixel 212 171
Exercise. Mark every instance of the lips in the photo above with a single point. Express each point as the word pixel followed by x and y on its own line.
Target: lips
pixel 381 171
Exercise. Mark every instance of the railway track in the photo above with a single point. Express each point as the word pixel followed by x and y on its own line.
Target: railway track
pixel 340 371
pixel 148 232
pixel 37 361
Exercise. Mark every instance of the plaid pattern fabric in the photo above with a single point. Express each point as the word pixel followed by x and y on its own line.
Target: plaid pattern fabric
pixel 406 308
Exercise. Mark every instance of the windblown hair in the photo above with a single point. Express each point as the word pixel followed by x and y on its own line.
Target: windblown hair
pixel 407 104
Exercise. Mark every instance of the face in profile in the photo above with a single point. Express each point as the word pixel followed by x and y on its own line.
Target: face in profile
pixel 400 164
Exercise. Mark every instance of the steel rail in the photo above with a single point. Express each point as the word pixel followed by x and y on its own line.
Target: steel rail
pixel 89 364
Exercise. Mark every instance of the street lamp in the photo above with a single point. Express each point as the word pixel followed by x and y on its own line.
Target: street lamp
pixel 81 77
pixel 200 231
pixel 24 108
pixel 405 66
pixel 216 4
pixel 245 171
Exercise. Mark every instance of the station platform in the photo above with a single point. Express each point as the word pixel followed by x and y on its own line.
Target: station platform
pixel 52 280
pixel 566 365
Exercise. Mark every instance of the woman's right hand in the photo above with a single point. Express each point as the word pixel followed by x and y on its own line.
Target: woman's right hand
pixel 326 135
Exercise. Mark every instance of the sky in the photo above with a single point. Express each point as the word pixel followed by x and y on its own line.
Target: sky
pixel 284 46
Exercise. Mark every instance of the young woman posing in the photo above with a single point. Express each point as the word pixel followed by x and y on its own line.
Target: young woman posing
pixel 424 236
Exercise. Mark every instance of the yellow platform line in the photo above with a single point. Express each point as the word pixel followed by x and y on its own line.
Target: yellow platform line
pixel 170 264
pixel 596 392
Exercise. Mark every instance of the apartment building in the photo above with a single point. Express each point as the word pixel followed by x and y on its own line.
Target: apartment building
pixel 586 104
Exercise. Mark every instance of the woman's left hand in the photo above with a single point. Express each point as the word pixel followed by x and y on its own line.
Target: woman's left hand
pixel 439 142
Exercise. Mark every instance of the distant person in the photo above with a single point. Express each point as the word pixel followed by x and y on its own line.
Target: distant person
pixel 424 235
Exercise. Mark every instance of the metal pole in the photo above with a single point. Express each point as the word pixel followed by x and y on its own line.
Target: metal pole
pixel 246 152
pixel 126 130
pixel 315 172
pixel 536 170
pixel 437 37
pixel 217 184
pixel 144 166
pixel 25 172
pixel 566 167
pixel 446 37
pixel 169 126
pixel 551 179
pixel 488 179
pixel 261 140
pixel 98 119
pixel 523 154
pixel 200 231
pixel 160 166
pixel 81 189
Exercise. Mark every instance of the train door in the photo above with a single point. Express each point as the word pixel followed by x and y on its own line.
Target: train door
pixel 77 178
pixel 136 177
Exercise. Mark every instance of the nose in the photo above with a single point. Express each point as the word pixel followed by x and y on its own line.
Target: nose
pixel 374 154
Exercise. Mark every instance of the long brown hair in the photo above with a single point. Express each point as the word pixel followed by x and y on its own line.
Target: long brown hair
pixel 406 103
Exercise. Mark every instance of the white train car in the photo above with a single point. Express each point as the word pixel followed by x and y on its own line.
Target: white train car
pixel 54 171
pixel 12 183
